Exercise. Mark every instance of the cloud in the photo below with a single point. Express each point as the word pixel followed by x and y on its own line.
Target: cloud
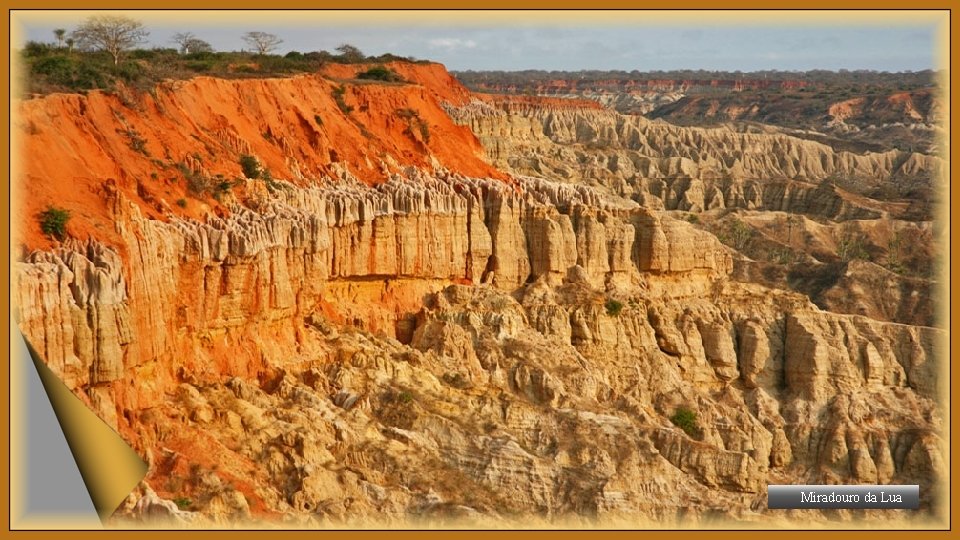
pixel 451 43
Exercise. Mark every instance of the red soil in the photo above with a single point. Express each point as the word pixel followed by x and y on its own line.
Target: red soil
pixel 75 149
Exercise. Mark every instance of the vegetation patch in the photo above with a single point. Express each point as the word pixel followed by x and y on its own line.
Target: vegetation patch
pixel 739 235
pixel 251 166
pixel 272 185
pixel 53 222
pixel 613 307
pixel 222 186
pixel 137 143
pixel 65 66
pixel 397 408
pixel 851 244
pixel 380 73
pixel 338 94
pixel 197 183
pixel 686 420
pixel 415 125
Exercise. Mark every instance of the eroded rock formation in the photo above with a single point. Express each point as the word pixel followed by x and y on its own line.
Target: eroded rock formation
pixel 671 167
pixel 436 346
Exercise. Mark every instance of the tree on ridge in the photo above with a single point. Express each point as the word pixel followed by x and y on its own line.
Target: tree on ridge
pixel 190 43
pixel 262 41
pixel 60 33
pixel 351 54
pixel 112 33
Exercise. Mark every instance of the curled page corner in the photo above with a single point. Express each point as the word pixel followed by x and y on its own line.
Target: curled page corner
pixel 109 467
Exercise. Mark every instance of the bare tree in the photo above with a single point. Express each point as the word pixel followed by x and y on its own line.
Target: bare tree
pixel 183 40
pixel 197 45
pixel 262 41
pixel 189 43
pixel 59 33
pixel 111 33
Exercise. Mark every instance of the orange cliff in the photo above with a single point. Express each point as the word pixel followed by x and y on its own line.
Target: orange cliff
pixel 434 77
pixel 78 149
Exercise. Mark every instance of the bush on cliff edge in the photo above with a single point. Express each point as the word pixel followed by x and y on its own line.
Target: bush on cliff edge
pixel 53 222
pixel 686 420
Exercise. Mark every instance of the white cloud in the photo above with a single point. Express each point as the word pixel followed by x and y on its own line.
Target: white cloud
pixel 452 43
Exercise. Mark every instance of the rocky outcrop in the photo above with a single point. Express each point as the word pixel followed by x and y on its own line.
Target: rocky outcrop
pixel 550 407
pixel 268 266
pixel 670 167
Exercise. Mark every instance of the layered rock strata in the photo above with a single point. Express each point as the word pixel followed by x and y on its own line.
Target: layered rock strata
pixel 672 167
pixel 272 264
pixel 557 406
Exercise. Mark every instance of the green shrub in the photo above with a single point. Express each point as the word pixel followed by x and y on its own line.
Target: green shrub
pixel 222 187
pixel 613 307
pixel 852 244
pixel 197 183
pixel 200 66
pixel 272 185
pixel 53 222
pixel 740 234
pixel 143 54
pixel 182 203
pixel 183 503
pixel 318 119
pixel 201 55
pixel 58 67
pixel 414 122
pixel 250 166
pixel 128 71
pixel 686 420
pixel 87 76
pixel 380 73
pixel 36 48
pixel 136 142
pixel 338 93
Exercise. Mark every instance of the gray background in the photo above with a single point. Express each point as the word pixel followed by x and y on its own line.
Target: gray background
pixel 53 486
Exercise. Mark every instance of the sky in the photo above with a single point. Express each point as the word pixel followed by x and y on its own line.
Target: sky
pixel 571 41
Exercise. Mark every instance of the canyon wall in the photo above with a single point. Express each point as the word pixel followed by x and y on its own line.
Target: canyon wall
pixel 251 267
pixel 391 329
pixel 671 167
pixel 197 308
